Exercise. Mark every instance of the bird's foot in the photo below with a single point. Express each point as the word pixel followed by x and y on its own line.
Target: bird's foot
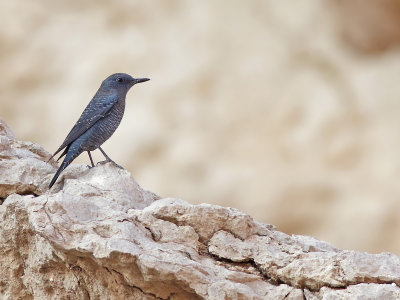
pixel 111 161
pixel 89 166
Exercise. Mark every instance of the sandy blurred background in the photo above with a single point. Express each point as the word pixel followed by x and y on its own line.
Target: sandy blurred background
pixel 287 110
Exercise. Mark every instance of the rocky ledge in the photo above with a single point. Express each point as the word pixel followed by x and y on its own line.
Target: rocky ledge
pixel 97 234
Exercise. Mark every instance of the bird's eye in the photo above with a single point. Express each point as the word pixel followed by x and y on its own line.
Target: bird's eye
pixel 119 79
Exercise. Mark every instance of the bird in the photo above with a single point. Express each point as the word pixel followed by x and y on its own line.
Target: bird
pixel 98 121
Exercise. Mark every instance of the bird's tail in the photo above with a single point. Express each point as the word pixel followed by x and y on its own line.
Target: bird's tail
pixel 67 160
pixel 64 152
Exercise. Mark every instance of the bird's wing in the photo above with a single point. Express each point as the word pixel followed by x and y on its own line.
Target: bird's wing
pixel 96 110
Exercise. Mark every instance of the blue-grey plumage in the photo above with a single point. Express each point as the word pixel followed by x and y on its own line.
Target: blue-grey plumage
pixel 98 121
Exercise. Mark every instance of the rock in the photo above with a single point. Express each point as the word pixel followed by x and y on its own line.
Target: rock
pixel 22 165
pixel 98 234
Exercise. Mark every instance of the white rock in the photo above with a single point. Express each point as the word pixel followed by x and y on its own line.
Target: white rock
pixel 98 234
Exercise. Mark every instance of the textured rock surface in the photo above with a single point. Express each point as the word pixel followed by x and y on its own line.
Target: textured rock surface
pixel 97 234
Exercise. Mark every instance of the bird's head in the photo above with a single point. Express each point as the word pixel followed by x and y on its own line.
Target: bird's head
pixel 121 81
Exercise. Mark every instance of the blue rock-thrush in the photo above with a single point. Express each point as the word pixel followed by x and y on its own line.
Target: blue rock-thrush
pixel 98 121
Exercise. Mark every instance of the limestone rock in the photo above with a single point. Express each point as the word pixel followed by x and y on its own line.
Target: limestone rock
pixel 98 234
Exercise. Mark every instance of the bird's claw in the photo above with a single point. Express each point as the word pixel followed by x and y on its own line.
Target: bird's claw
pixel 118 166
pixel 111 161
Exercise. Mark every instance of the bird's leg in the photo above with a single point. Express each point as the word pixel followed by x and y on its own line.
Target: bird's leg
pixel 91 159
pixel 109 159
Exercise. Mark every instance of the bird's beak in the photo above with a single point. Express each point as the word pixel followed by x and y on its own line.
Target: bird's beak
pixel 139 80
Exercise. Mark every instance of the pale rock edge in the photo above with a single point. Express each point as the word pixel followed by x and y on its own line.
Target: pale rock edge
pixel 98 234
